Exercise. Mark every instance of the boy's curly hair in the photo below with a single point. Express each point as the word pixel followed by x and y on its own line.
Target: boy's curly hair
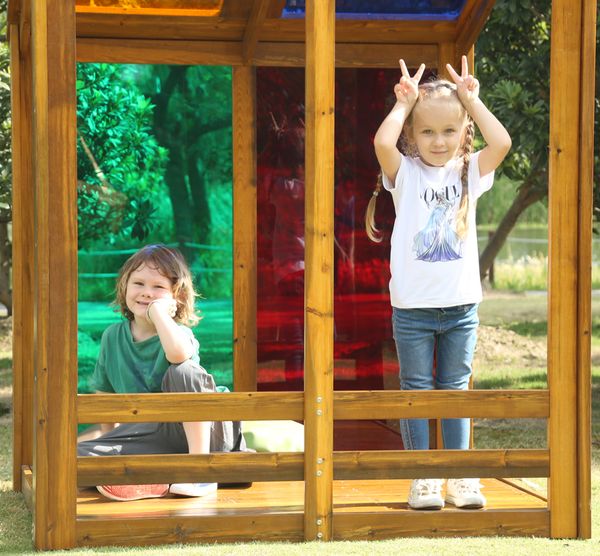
pixel 171 264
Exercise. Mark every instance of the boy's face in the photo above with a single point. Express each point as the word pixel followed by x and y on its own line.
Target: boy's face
pixel 146 284
pixel 438 130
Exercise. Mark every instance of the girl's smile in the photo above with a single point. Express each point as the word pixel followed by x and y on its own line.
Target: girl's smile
pixel 438 130
pixel 146 284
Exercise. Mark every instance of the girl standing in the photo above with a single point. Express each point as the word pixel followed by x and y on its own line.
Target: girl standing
pixel 435 287
pixel 152 350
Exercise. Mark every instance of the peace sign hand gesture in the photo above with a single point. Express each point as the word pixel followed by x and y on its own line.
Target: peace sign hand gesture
pixel 467 86
pixel 407 89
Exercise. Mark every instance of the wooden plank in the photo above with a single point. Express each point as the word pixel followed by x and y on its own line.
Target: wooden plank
pixel 208 529
pixel 390 464
pixel 138 51
pixel 139 408
pixel 564 159
pixel 318 310
pixel 185 27
pixel 229 53
pixel 12 12
pixel 276 8
pixel 27 486
pixel 471 22
pixel 378 526
pixel 231 467
pixel 348 55
pixel 22 260
pixel 198 9
pixel 498 404
pixel 244 229
pixel 255 21
pixel 258 406
pixel 264 467
pixel 55 178
pixel 446 55
pixel 584 284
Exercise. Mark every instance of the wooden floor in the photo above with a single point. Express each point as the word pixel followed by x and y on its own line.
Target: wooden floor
pixel 288 497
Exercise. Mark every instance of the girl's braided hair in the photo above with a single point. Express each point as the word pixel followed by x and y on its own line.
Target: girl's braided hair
pixel 440 88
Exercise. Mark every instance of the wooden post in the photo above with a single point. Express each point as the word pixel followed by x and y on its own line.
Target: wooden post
pixel 244 228
pixel 584 274
pixel 568 318
pixel 318 312
pixel 22 261
pixel 55 229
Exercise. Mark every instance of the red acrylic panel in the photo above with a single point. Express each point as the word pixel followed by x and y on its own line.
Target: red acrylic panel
pixel 364 352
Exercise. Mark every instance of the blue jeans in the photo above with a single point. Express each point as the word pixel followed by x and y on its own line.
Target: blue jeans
pixel 450 332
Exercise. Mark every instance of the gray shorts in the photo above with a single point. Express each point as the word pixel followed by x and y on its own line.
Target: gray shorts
pixel 167 438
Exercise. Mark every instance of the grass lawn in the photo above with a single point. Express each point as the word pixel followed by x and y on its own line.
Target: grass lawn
pixel 514 326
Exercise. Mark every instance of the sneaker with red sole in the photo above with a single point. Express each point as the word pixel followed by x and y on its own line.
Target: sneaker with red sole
pixel 124 493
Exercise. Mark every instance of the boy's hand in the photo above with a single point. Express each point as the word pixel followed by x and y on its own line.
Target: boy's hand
pixel 407 89
pixel 467 86
pixel 168 305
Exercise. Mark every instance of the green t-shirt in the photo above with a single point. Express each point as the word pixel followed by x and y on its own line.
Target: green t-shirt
pixel 125 366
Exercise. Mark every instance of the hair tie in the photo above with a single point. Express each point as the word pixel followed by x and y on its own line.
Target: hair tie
pixel 375 193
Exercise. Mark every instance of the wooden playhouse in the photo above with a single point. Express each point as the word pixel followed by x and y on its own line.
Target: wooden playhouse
pixel 321 493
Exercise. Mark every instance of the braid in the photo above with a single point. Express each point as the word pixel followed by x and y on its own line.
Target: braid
pixel 462 215
pixel 372 232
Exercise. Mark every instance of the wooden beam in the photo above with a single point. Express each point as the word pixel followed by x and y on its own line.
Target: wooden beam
pixel 257 527
pixel 359 404
pixel 229 53
pixel 255 21
pixel 183 27
pixel 22 248
pixel 318 310
pixel 231 467
pixel 235 467
pixel 492 404
pixel 198 9
pixel 13 12
pixel 55 178
pixel 565 147
pixel 586 200
pixel 470 23
pixel 169 408
pixel 276 9
pixel 372 526
pixel 244 229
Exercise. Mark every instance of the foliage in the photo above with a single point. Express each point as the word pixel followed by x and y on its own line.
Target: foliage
pixel 120 165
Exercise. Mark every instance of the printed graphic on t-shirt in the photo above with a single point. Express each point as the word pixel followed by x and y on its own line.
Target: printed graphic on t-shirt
pixel 438 240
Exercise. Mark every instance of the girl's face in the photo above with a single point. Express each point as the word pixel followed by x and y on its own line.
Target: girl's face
pixel 437 129
pixel 146 284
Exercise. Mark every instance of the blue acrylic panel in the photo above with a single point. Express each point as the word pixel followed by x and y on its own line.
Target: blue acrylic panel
pixel 385 9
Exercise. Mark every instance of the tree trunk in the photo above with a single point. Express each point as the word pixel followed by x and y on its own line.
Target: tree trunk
pixel 5 266
pixel 527 195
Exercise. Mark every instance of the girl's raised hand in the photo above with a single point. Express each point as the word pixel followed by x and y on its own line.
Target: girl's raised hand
pixel 407 89
pixel 467 86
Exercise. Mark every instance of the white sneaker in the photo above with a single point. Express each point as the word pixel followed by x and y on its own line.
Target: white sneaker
pixel 426 494
pixel 193 489
pixel 465 493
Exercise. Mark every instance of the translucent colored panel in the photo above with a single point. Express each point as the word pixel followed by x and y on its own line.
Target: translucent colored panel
pixel 154 4
pixel 386 9
pixel 363 350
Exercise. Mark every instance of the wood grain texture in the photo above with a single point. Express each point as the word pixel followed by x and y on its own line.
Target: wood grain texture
pixel 239 406
pixel 55 166
pixel 255 22
pixel 584 275
pixel 318 280
pixel 244 229
pixel 564 171
pixel 22 248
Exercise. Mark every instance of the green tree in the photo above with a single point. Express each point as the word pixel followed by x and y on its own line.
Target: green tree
pixel 513 66
pixel 192 119
pixel 120 165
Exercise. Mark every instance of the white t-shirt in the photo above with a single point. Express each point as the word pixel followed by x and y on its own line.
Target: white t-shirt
pixel 431 265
